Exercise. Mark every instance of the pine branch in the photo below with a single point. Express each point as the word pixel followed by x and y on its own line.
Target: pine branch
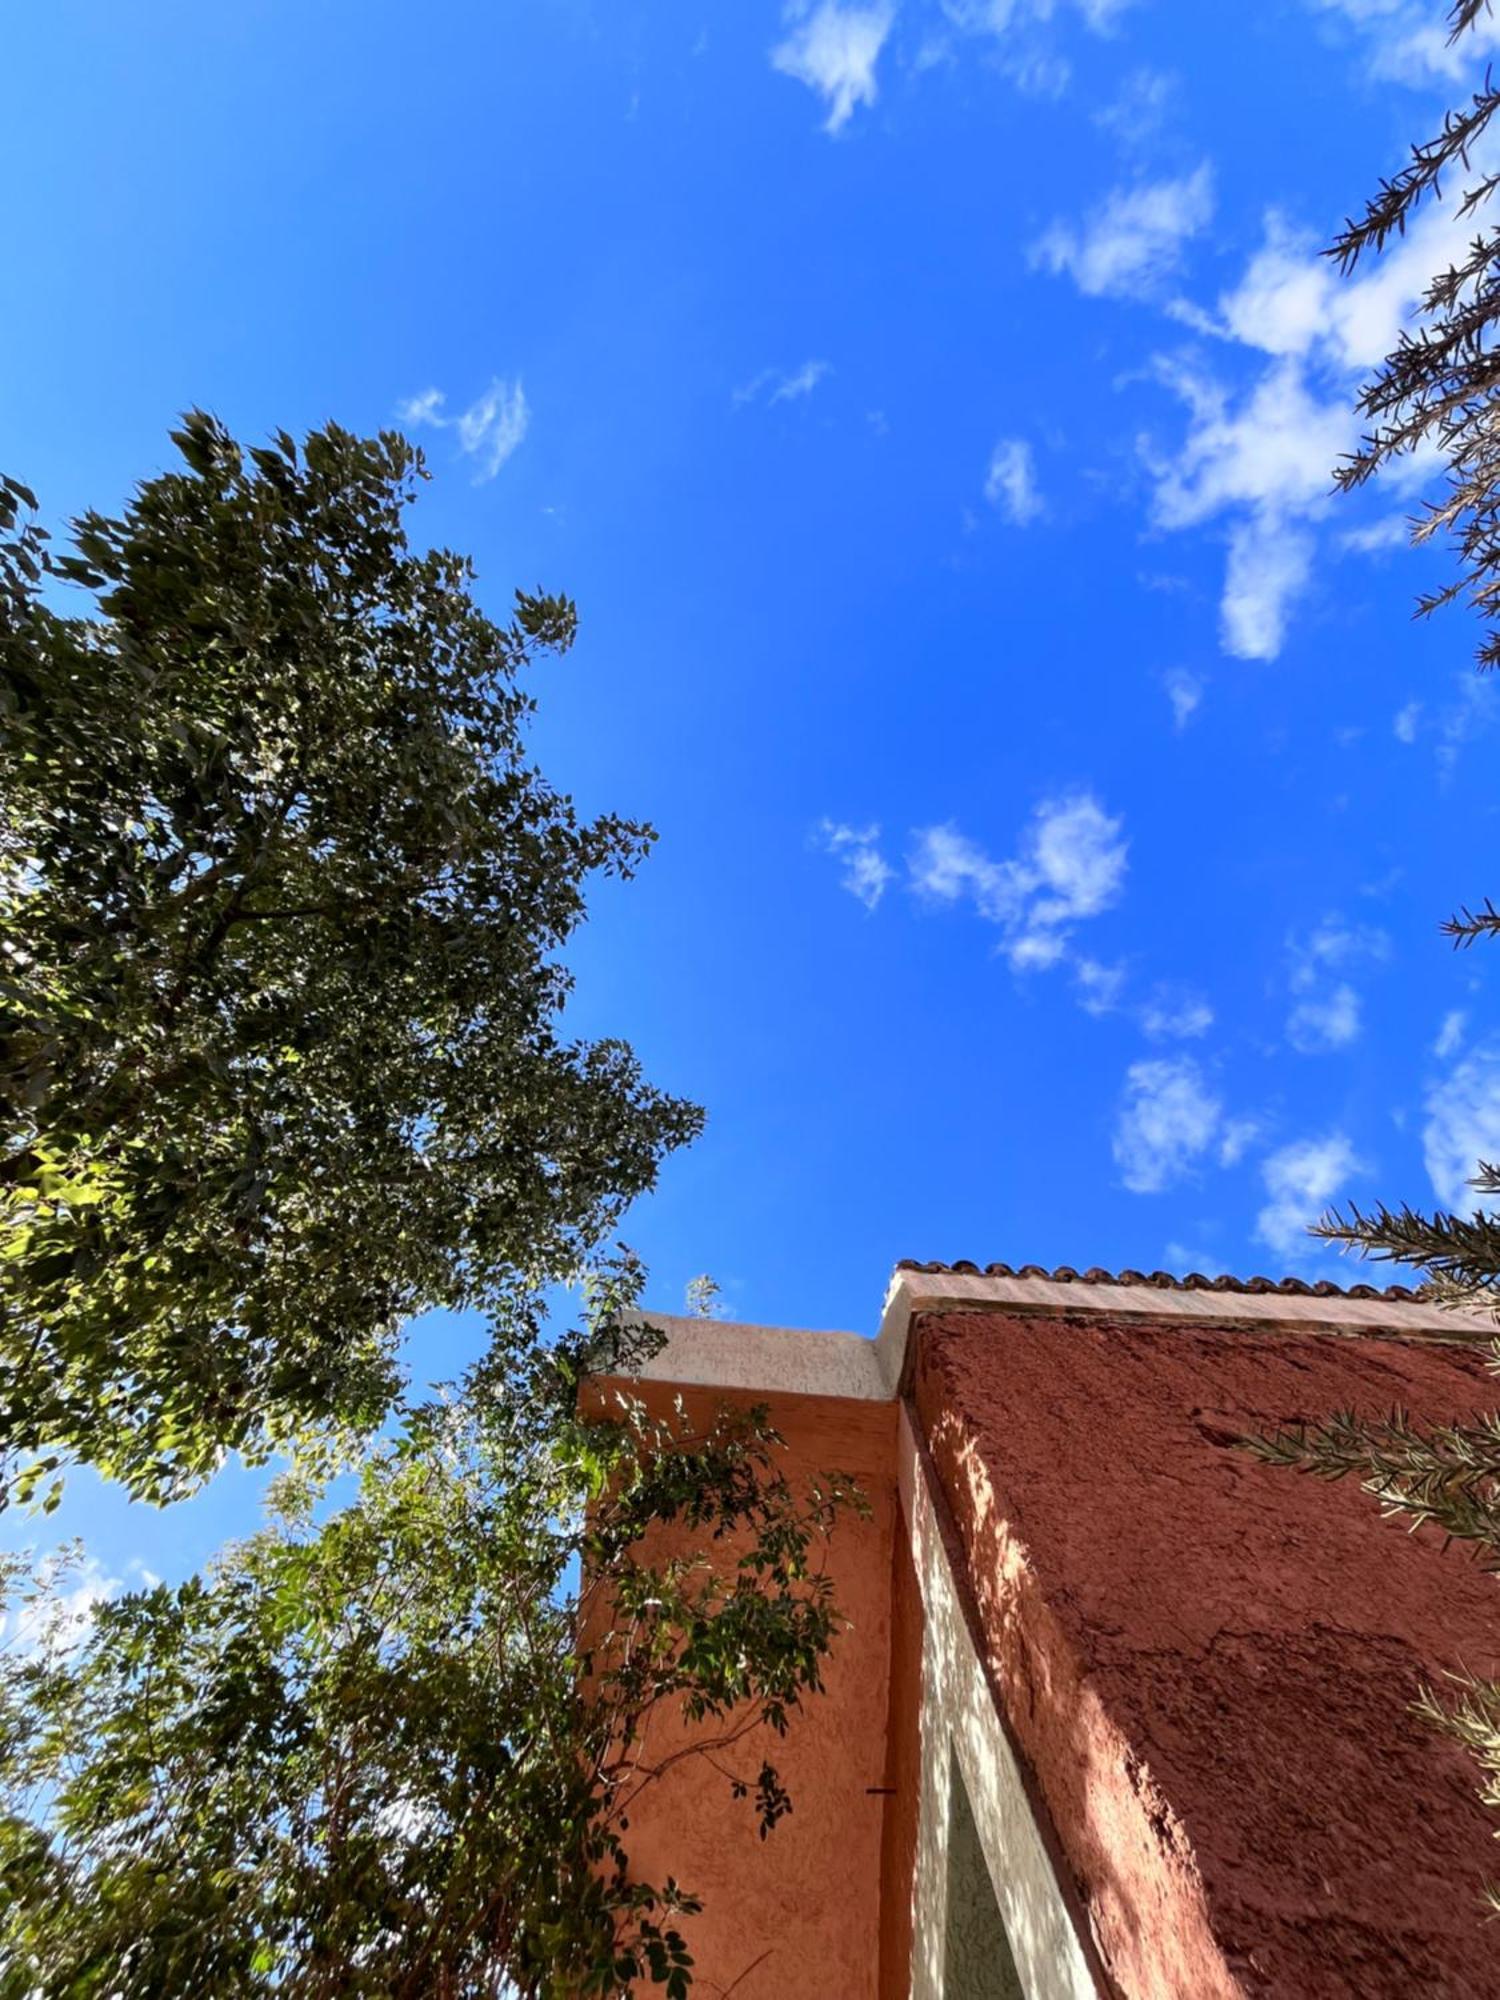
pixel 1388 212
pixel 1443 1475
pixel 1459 1254
pixel 1469 924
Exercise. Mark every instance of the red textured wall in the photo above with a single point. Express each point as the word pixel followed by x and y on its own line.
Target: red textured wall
pixel 1209 1662
pixel 797 1915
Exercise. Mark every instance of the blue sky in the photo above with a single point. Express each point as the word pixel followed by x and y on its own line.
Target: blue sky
pixel 931 408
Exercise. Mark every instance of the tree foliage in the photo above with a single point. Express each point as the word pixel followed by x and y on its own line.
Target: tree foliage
pixel 281 903
pixel 393 1750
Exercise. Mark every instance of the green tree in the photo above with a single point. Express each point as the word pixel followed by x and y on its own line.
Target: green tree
pixel 281 907
pixel 393 1751
pixel 1440 388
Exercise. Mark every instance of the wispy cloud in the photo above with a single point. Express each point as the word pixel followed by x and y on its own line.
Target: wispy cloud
pixel 1133 242
pixel 1071 866
pixel 783 385
pixel 74 1586
pixel 1325 1021
pixel 488 431
pixel 1378 537
pixel 1184 692
pixel 865 872
pixel 1326 1012
pixel 1010 482
pixel 1451 1034
pixel 1176 1016
pixel 1463 1128
pixel 1265 460
pixel 1017 34
pixel 1302 1181
pixel 1134 114
pixel 834 51
pixel 1404 42
pixel 1099 985
pixel 1257 457
pixel 1448 726
pixel 1470 712
pixel 1169 1118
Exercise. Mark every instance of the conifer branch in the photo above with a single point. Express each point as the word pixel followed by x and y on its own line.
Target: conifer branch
pixel 1469 924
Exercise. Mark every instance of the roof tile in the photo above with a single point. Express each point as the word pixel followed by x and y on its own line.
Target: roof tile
pixel 1192 1281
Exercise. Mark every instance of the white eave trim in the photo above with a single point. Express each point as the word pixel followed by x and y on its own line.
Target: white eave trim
pixel 769 1360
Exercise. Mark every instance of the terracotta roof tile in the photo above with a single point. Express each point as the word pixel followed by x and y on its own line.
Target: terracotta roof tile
pixel 1193 1281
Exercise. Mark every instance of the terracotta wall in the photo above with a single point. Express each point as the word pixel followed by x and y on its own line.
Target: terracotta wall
pixel 799 1914
pixel 903 1774
pixel 1209 1662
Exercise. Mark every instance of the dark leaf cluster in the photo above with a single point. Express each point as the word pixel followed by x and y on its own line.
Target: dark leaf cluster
pixel 282 903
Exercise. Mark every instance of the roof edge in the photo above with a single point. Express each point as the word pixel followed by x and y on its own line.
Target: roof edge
pixel 800 1361
pixel 1230 1303
pixel 1192 1281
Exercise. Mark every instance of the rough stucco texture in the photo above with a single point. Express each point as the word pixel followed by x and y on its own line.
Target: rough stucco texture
pixel 797 1914
pixel 1209 1662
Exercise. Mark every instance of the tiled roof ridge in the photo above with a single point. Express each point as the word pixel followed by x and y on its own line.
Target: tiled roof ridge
pixel 1167 1281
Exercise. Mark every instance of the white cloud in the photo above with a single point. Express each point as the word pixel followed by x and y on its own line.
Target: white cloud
pixel 1099 986
pixel 423 408
pixel 1471 712
pixel 1292 302
pixel 1238 1135
pixel 489 430
pixel 1079 856
pixel 1168 1120
pixel 1302 1181
pixel 1463 1128
pixel 72 1586
pixel 1327 1013
pixel 1450 1034
pixel 1394 532
pixel 1169 1016
pixel 1404 43
pixel 1257 457
pixel 1010 482
pixel 802 383
pixel 1269 565
pixel 1266 461
pixel 1330 1021
pixel 1017 28
pixel 1335 943
pixel 1134 241
pixel 1135 113
pixel 1407 719
pixel 776 385
pixel 866 873
pixel 1072 866
pixel 1185 692
pixel 834 52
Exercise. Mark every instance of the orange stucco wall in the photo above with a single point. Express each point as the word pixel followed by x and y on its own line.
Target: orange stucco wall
pixel 903 1771
pixel 798 1914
